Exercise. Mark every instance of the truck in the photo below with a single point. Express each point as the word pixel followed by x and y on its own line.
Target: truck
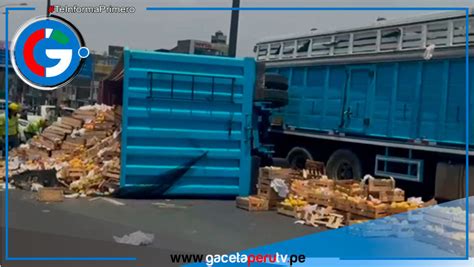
pixel 50 113
pixel 179 108
pixel 389 99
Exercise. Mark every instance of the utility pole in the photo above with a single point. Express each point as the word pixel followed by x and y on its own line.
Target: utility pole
pixel 48 5
pixel 234 28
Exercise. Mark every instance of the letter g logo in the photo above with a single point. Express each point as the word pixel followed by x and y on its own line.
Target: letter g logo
pixel 48 52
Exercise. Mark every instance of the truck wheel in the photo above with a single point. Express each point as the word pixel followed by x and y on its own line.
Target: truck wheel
pixel 276 81
pixel 297 157
pixel 344 164
pixel 277 98
pixel 281 162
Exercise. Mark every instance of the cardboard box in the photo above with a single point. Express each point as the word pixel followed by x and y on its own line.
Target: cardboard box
pixel 50 195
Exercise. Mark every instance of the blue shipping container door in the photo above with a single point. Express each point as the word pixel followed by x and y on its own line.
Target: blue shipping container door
pixel 356 115
pixel 177 107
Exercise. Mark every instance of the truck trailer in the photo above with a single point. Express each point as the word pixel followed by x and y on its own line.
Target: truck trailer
pixel 389 99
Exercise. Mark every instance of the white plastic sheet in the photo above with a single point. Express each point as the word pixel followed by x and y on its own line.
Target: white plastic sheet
pixel 429 52
pixel 280 187
pixel 137 238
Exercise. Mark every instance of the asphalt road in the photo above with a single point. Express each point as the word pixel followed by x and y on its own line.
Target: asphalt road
pixel 85 228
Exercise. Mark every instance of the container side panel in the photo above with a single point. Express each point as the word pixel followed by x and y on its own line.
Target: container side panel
pixel 407 100
pixel 431 100
pixel 456 103
pixel 179 107
pixel 384 85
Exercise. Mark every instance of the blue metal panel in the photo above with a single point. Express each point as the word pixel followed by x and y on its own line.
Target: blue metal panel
pixel 356 107
pixel 87 69
pixel 177 107
pixel 404 100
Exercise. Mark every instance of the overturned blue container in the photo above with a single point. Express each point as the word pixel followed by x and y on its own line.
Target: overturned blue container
pixel 177 107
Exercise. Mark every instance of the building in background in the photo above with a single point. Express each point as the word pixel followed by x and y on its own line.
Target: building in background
pixel 84 89
pixel 216 47
pixel 219 42
pixel 81 91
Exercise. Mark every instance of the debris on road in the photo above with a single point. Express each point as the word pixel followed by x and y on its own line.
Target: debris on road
pixel 137 238
pixel 3 186
pixel 316 200
pixel 82 151
pixel 50 195
pixel 35 187
pixel 113 201
pixel 168 205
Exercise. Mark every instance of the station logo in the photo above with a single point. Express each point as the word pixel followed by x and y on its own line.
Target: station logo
pixel 48 52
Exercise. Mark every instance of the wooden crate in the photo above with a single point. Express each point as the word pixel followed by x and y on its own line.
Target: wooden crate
pixel 326 217
pixel 316 169
pixel 326 183
pixel 73 122
pixel 273 204
pixel 115 175
pixel 34 152
pixel 98 134
pixel 252 203
pixel 75 173
pixel 274 173
pixel 63 125
pixel 320 199
pixel 376 212
pixel 264 183
pixel 300 188
pixel 66 145
pixel 268 193
pixel 398 210
pixel 58 132
pixel 296 175
pixel 104 126
pixel 352 219
pixel 389 196
pixel 380 185
pixel 78 140
pixel 45 142
pixel 350 187
pixel 290 211
pixel 50 195
pixel 341 203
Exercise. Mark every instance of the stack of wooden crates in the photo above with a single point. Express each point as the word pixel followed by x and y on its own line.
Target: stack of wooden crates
pixel 267 198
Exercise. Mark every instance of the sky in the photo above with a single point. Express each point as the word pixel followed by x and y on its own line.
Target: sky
pixel 161 29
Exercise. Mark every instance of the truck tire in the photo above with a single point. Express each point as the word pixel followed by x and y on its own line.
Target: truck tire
pixel 343 164
pixel 297 157
pixel 281 162
pixel 276 81
pixel 277 98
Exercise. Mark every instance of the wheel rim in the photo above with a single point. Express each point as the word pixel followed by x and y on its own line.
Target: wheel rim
pixel 345 171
